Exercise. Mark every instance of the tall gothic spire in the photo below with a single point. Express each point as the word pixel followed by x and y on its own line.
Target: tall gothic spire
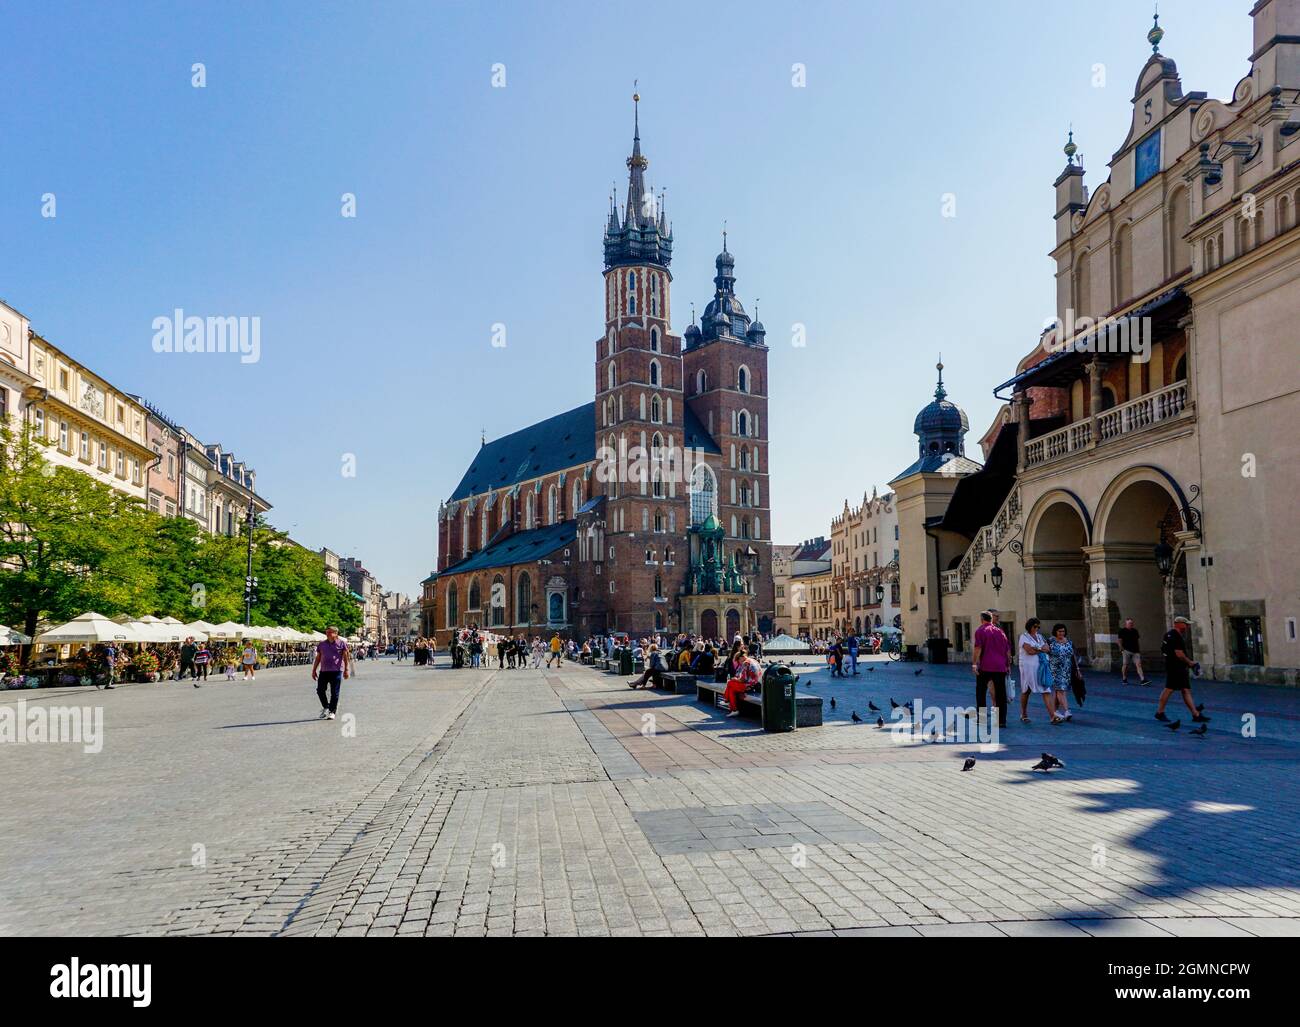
pixel 636 165
pixel 644 237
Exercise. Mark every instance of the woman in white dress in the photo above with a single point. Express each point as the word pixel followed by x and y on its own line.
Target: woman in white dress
pixel 1031 647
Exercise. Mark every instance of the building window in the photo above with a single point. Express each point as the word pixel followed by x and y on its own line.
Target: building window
pixel 654 337
pixel 704 494
pixel 63 436
pixel 453 608
pixel 85 446
pixel 701 382
pixel 121 464
pixel 612 376
pixel 742 379
pixel 475 595
pixel 742 423
pixel 654 372
pixel 40 424
pixel 656 412
pixel 1246 636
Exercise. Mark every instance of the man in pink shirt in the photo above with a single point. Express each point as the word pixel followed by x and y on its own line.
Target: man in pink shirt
pixel 990 663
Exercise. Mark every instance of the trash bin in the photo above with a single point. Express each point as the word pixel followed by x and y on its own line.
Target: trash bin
pixel 938 649
pixel 625 662
pixel 778 698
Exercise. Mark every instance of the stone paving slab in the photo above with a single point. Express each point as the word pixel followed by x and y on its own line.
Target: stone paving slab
pixel 481 802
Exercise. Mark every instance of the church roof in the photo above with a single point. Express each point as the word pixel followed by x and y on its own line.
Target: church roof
pixel 519 547
pixel 565 440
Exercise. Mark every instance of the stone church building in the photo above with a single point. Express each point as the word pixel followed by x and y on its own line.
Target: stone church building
pixel 647 509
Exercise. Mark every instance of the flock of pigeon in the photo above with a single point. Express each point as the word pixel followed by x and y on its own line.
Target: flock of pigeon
pixel 1046 764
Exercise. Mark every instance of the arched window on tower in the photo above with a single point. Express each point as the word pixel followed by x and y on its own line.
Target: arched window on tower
pixel 453 607
pixel 550 505
pixel 654 307
pixel 654 372
pixel 523 598
pixel 742 423
pixel 654 340
pixel 631 292
pixel 704 494
pixel 475 595
pixel 742 379
pixel 577 496
pixel 611 376
pixel 701 382
pixel 656 410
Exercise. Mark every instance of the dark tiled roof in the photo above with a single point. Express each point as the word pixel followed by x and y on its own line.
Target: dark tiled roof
pixel 935 463
pixel 697 436
pixel 521 547
pixel 812 550
pixel 566 440
pixel 552 445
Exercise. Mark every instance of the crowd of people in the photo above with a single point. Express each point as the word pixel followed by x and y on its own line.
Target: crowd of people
pixel 1049 667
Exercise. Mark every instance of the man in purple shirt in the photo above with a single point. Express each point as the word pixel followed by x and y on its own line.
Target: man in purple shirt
pixel 990 663
pixel 332 665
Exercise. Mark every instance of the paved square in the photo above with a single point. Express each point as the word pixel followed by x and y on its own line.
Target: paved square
pixel 536 802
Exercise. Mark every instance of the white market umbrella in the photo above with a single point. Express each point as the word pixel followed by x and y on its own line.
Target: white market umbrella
pixel 149 618
pixel 172 620
pixel 9 636
pixel 228 629
pixel 89 628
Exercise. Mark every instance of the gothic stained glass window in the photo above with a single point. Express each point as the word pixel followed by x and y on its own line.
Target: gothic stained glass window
pixel 703 495
pixel 1147 160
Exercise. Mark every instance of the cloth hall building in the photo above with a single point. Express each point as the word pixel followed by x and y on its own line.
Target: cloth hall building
pixel 644 510
pixel 1157 477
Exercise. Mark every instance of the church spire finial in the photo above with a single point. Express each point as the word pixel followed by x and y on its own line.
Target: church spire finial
pixel 1070 148
pixel 1157 33
pixel 940 393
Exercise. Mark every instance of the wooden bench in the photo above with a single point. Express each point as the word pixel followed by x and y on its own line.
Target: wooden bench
pixel 807 707
pixel 603 662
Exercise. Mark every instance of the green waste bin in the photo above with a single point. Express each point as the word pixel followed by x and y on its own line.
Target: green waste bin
pixel 625 662
pixel 778 698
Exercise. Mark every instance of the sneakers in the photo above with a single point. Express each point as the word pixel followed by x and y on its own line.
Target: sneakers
pixel 324 715
pixel 1162 718
pixel 1200 718
pixel 734 713
pixel 329 716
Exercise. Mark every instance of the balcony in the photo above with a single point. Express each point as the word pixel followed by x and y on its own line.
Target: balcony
pixel 1138 415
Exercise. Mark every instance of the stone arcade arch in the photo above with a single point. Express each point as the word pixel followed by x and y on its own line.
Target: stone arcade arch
pixel 1137 511
pixel 1057 534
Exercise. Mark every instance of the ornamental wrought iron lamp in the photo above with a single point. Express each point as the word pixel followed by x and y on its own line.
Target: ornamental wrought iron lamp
pixel 996 575
pixel 1164 554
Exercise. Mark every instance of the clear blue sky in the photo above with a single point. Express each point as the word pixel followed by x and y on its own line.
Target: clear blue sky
pixel 479 205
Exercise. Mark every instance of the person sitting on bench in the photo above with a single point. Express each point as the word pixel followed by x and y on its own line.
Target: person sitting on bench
pixel 702 663
pixel 654 669
pixel 746 677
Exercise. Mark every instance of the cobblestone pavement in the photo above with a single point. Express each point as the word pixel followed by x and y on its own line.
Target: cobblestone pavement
pixel 486 802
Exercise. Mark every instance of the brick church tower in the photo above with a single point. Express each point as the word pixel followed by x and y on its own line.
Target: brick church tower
pixel 640 413
pixel 725 364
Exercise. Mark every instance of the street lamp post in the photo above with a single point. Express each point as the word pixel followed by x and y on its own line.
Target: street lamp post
pixel 250 582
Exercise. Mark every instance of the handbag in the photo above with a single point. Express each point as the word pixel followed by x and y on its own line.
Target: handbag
pixel 1077 685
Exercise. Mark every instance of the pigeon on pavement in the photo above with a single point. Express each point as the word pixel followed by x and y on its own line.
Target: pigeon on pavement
pixel 873 707
pixel 856 718
pixel 1048 762
pixel 969 764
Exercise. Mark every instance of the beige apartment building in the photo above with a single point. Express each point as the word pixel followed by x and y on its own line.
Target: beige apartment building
pixel 91 426
pixel 864 565
pixel 1141 466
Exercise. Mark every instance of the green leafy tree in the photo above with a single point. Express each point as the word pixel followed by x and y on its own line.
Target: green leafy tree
pixel 68 544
